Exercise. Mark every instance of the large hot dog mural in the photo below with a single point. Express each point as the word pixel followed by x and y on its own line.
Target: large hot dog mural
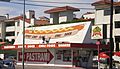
pixel 53 33
pixel 73 33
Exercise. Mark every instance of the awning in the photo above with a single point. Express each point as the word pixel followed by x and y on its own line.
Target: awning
pixel 54 45
pixel 117 54
pixel 103 55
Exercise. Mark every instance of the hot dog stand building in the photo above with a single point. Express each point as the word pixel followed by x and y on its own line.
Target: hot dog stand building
pixel 57 45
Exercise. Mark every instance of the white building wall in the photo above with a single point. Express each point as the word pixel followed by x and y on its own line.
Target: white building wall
pixel 16 26
pixel 30 14
pixel 116 32
pixel 61 17
pixel 89 16
pixel 51 18
pixel 32 21
pixel 65 16
pixel 117 17
pixel 10 28
pixel 21 24
pixel 98 16
pixel 101 19
pixel 105 19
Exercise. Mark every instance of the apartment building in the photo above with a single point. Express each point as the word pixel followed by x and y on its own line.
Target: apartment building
pixel 102 17
pixel 2 27
pixel 88 15
pixel 10 27
pixel 61 14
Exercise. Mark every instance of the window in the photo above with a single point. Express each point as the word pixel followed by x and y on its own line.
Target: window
pixel 64 55
pixel 10 24
pixel 107 12
pixel 117 39
pixel 18 23
pixel 117 9
pixel 59 54
pixel 10 33
pixel 117 24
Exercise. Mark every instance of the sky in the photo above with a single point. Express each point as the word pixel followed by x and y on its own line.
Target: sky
pixel 17 9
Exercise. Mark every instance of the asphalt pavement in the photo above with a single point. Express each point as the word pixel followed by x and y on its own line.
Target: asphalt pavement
pixel 45 67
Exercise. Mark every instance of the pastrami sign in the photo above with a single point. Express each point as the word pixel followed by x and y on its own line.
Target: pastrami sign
pixel 36 56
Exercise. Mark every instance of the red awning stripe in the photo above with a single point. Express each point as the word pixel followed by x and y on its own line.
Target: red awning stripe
pixel 54 45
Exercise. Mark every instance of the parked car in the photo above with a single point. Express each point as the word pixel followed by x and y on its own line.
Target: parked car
pixel 1 63
pixel 9 63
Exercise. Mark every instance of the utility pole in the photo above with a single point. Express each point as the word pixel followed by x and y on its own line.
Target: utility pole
pixel 111 34
pixel 23 48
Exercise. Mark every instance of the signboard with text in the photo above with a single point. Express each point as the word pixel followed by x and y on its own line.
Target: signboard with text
pixel 36 56
pixel 55 33
pixel 29 46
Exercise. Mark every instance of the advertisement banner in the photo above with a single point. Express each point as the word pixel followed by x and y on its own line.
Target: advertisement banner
pixel 97 32
pixel 72 33
pixel 36 56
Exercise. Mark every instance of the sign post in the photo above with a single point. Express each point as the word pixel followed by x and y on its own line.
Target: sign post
pixel 98 44
pixel 111 34
pixel 23 48
pixel 97 33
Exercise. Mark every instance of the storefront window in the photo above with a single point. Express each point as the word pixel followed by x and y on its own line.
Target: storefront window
pixel 59 54
pixel 64 55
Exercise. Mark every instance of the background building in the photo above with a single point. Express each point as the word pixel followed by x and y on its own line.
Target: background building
pixel 61 14
pixel 10 27
pixel 102 17
pixel 89 15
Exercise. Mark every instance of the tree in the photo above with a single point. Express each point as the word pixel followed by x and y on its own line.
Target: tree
pixel 13 40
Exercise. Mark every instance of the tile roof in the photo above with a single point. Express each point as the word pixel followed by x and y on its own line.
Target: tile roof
pixel 41 22
pixel 116 3
pixel 20 18
pixel 103 2
pixel 61 9
pixel 17 18
pixel 38 22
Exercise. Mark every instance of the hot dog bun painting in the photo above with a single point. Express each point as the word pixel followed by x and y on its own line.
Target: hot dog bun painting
pixel 72 33
pixel 53 33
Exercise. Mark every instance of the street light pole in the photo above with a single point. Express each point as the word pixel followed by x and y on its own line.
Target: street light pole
pixel 111 32
pixel 98 45
pixel 23 36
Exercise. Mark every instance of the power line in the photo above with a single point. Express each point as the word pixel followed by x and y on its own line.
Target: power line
pixel 46 5
pixel 32 4
pixel 56 2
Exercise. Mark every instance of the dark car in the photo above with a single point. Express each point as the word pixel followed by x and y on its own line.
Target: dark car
pixel 9 63
pixel 1 63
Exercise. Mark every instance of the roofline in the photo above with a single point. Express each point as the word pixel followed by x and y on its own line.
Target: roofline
pixel 105 3
pixel 66 8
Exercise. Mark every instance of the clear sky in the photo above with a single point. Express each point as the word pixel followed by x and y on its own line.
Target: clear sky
pixel 17 9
